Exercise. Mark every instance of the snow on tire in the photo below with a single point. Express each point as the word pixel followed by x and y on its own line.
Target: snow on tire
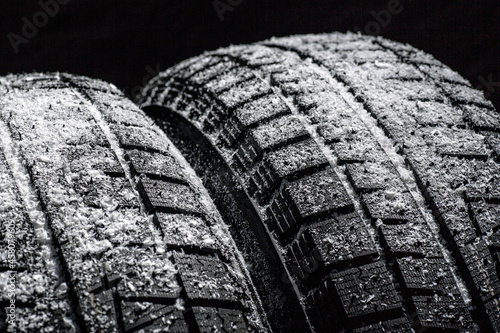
pixel 112 230
pixel 368 171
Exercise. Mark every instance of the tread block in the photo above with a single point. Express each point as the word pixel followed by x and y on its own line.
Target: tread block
pixel 344 238
pixel 260 56
pixel 328 109
pixel 484 187
pixel 227 80
pixel 188 69
pixel 52 314
pixel 358 147
pixel 482 119
pixel 431 113
pixel 465 95
pixel 208 278
pixel 399 325
pixel 298 88
pixel 390 206
pixel 139 137
pixel 335 126
pixel 485 216
pixel 215 115
pixel 8 192
pixel 455 142
pixel 139 273
pixel 369 176
pixel 23 237
pixel 186 230
pixel 415 239
pixel 397 90
pixel 84 157
pixel 100 229
pixel 479 268
pixel 61 119
pixel 232 129
pixel 287 162
pixel 31 286
pixel 440 313
pixel 93 84
pixel 227 320
pixel 392 71
pixel 152 317
pixel 283 77
pixel 209 73
pixel 169 197
pixel 366 290
pixel 495 240
pixel 85 274
pixel 150 163
pixel 246 154
pixel 410 54
pixel 451 209
pixel 261 109
pixel 14 217
pixel 296 158
pixel 278 132
pixel 274 134
pixel 105 191
pixel 440 73
pixel 309 198
pixel 244 92
pixel 118 109
pixel 101 305
pixel 493 312
pixel 493 142
pixel 458 228
pixel 426 274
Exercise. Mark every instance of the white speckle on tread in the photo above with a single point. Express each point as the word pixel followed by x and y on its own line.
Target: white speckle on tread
pixel 218 228
pixel 115 146
pixel 330 156
pixel 35 212
pixel 406 175
pixel 332 161
pixel 179 304
pixel 28 194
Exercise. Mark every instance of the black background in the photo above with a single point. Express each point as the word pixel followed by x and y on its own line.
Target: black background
pixel 126 42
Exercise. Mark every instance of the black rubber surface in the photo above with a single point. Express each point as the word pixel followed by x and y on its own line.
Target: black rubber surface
pixel 373 168
pixel 113 231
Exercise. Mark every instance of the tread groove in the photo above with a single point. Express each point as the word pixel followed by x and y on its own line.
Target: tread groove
pixel 37 216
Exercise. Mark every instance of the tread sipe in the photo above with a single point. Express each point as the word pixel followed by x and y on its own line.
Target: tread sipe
pixel 113 231
pixel 367 168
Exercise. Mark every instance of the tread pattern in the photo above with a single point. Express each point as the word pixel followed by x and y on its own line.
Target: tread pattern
pixel 141 246
pixel 424 114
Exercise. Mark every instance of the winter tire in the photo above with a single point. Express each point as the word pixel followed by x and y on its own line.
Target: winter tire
pixel 366 171
pixel 110 229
